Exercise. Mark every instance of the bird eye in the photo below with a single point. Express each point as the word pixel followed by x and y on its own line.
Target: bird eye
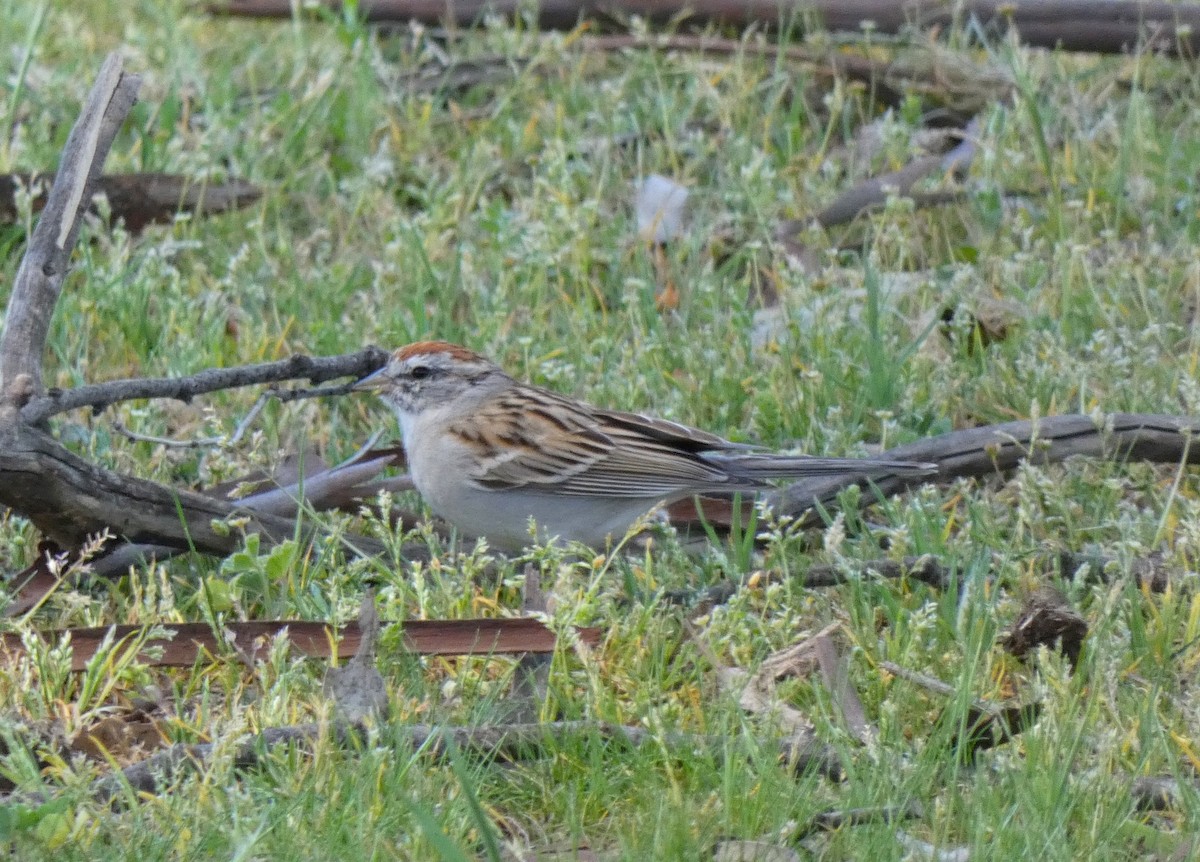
pixel 421 372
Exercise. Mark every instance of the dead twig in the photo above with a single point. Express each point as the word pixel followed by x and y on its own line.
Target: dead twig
pixel 512 742
pixel 44 266
pixel 875 191
pixel 984 725
pixel 316 369
pixel 927 569
pixel 994 449
pixel 141 199
pixel 1161 792
pixel 1149 573
pixel 828 821
pixel 183 644
pixel 65 496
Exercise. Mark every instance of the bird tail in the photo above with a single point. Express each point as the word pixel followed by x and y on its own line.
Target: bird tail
pixel 759 467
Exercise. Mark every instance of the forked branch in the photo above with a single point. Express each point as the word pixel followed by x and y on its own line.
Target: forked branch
pixel 64 495
pixel 40 277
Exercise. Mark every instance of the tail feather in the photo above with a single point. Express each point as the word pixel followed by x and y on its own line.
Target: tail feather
pixel 801 466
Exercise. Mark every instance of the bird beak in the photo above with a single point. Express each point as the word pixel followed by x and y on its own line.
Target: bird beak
pixel 371 383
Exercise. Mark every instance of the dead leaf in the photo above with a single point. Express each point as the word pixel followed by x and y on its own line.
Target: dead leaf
pixel 125 737
pixel 358 690
pixel 989 319
pixel 835 671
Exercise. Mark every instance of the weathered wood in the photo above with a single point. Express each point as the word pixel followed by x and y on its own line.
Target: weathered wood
pixel 141 199
pixel 1114 26
pixel 996 448
pixel 939 75
pixel 65 496
pixel 69 498
pixel 44 266
pixel 315 369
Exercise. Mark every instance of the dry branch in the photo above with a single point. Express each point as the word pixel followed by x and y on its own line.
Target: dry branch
pixel 828 821
pixel 1116 26
pixel 142 199
pixel 984 725
pixel 1149 573
pixel 510 742
pixel 66 497
pixel 940 76
pixel 1162 792
pixel 315 369
pixel 875 191
pixel 345 487
pixel 994 449
pixel 44 266
pixel 183 644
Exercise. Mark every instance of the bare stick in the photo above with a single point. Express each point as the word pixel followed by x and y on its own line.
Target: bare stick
pixel 220 440
pixel 874 192
pixel 996 448
pixel 923 680
pixel 184 644
pixel 1161 792
pixel 40 277
pixel 317 369
pixel 139 199
pixel 838 818
pixel 511 742
pixel 167 442
pixel 923 68
pixel 927 569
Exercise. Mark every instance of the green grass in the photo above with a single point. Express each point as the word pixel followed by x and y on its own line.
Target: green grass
pixel 502 218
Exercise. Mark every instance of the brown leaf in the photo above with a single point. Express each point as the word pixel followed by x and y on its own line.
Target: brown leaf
pixel 759 695
pixel 989 318
pixel 836 676
pixel 667 299
pixel 125 737
pixel 358 690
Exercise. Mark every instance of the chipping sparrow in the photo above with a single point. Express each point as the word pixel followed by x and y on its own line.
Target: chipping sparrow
pixel 489 453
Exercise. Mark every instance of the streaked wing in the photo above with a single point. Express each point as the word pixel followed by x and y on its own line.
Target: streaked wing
pixel 588 453
pixel 671 433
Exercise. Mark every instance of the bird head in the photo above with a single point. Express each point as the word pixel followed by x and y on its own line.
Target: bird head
pixel 428 374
